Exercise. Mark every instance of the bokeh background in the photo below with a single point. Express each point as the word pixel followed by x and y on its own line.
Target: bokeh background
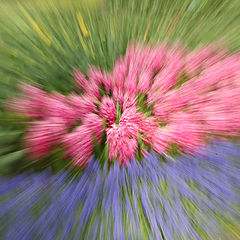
pixel 41 42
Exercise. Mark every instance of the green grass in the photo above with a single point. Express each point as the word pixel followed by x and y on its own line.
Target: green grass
pixel 42 40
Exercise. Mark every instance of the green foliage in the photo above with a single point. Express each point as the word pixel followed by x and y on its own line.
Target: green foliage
pixel 44 41
pixel 9 159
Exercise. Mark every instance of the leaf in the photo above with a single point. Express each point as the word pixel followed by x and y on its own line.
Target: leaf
pixel 9 137
pixel 11 158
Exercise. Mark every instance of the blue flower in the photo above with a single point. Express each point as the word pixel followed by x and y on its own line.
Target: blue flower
pixel 186 197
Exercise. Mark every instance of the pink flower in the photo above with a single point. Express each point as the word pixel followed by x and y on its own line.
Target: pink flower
pixel 122 142
pixel 80 142
pixel 93 90
pixel 174 58
pixel 107 82
pixel 129 101
pixel 82 105
pixel 130 86
pixel 153 97
pixel 118 79
pixel 160 140
pixel 167 77
pixel 100 78
pixel 157 58
pixel 131 117
pixel 145 81
pixel 80 79
pixel 32 103
pixel 118 95
pixel 174 101
pixel 88 86
pixel 57 106
pixel 223 70
pixel 186 131
pixel 108 110
pixel 95 75
pixel 95 125
pixel 79 145
pixel 122 138
pixel 196 59
pixel 153 58
pixel 148 127
pixel 219 113
pixel 119 73
pixel 43 135
pixel 134 57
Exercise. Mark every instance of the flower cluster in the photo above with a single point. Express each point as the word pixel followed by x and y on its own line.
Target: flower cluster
pixel 189 198
pixel 153 98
